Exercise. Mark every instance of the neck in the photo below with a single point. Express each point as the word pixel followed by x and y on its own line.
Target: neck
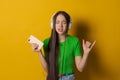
pixel 62 37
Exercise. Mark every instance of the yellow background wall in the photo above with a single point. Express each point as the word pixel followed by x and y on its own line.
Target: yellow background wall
pixel 92 20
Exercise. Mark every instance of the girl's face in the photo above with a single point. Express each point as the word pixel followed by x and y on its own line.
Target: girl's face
pixel 61 24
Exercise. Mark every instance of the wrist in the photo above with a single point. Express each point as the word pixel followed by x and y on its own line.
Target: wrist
pixel 39 51
pixel 86 53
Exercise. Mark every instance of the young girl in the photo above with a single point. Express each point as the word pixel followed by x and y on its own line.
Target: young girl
pixel 62 50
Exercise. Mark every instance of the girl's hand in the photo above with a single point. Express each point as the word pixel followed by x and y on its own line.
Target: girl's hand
pixel 87 46
pixel 34 47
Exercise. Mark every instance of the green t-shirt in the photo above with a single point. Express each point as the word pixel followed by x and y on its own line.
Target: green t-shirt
pixel 68 49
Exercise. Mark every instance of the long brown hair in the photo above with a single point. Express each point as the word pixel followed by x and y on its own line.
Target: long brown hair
pixel 53 48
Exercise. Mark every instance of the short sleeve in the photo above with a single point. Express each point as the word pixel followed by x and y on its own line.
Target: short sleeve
pixel 45 46
pixel 78 50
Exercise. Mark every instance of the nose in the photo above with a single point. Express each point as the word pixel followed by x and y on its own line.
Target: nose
pixel 61 24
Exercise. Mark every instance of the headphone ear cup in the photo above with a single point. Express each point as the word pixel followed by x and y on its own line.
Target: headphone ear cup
pixel 51 21
pixel 70 25
pixel 51 24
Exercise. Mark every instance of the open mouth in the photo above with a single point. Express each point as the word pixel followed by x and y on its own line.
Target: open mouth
pixel 60 30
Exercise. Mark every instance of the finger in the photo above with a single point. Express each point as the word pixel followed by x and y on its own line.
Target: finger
pixel 88 43
pixel 83 41
pixel 33 43
pixel 93 44
pixel 35 49
pixel 34 46
pixel 28 40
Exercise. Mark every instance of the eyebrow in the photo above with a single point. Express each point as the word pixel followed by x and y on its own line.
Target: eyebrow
pixel 59 20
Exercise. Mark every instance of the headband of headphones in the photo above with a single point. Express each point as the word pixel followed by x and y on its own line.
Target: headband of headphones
pixel 51 22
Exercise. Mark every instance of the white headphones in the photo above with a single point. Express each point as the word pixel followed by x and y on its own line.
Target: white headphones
pixel 51 22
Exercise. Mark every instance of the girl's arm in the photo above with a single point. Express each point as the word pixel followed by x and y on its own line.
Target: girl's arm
pixel 34 47
pixel 43 61
pixel 80 61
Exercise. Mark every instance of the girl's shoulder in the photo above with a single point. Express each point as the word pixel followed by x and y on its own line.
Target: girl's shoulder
pixel 46 40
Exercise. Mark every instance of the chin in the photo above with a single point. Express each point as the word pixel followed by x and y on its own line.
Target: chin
pixel 61 33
